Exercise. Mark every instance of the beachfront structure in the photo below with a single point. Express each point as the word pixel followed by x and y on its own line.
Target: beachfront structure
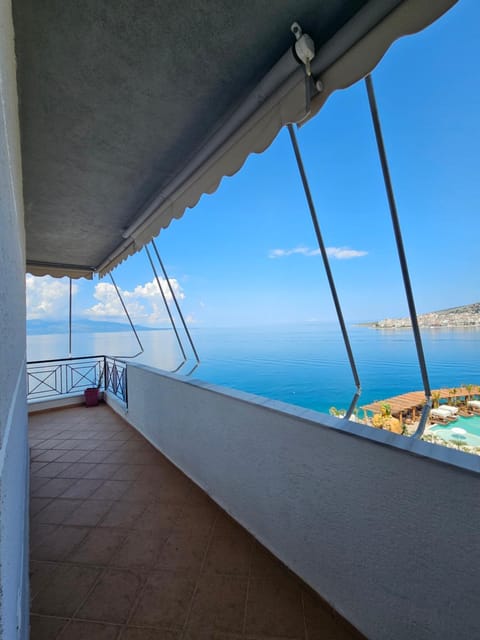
pixel 411 403
pixel 116 117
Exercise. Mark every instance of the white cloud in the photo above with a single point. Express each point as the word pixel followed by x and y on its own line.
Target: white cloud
pixel 47 297
pixel 344 253
pixel 338 253
pixel 144 302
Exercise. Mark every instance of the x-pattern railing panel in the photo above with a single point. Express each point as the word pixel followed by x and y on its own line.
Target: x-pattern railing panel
pixel 45 381
pixel 79 377
pixel 53 378
pixel 116 378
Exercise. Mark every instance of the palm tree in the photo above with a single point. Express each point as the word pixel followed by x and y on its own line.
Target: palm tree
pixel 436 399
pixel 469 388
pixel 453 393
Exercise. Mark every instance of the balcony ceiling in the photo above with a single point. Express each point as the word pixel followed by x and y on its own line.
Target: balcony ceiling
pixel 117 98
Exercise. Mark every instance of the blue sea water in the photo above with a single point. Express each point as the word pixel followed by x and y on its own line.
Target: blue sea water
pixel 304 365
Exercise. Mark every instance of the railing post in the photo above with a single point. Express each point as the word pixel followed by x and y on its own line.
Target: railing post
pixel 104 373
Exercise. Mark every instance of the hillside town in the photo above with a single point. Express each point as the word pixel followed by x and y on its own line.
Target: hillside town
pixel 465 316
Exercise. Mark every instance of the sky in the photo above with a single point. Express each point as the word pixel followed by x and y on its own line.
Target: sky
pixel 247 254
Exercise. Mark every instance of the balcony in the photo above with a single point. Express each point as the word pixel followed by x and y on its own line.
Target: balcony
pixel 383 527
pixel 124 545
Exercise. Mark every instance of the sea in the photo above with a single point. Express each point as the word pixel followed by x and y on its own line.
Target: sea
pixel 305 365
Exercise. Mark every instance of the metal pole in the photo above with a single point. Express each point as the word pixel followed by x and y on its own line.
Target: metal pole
pixel 175 301
pixel 105 372
pixel 328 270
pixel 129 319
pixel 70 319
pixel 401 254
pixel 167 307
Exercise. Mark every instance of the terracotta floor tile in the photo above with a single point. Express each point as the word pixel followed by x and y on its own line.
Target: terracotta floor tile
pixel 265 564
pixel 183 551
pixel 85 445
pixel 140 492
pixel 39 532
pixel 37 504
pixel 77 470
pixel 112 598
pixel 87 433
pixel 80 630
pixel 41 573
pixel 45 455
pixel 35 468
pixel 230 554
pixel 139 633
pixel 97 547
pixel 321 623
pixel 197 518
pixel 143 457
pixel 118 456
pixel 225 525
pixel 219 604
pixel 160 473
pixel 102 471
pixel 111 490
pixel 36 483
pixel 57 511
pixel 51 469
pixel 165 602
pixel 107 445
pixel 172 494
pixel 66 591
pixel 49 443
pixel 59 544
pixel 81 489
pixel 44 628
pixel 89 513
pixel 73 455
pixel 275 607
pixel 127 472
pixel 65 445
pixel 137 445
pixel 140 550
pixel 208 634
pixel 95 456
pixel 139 532
pixel 157 517
pixel 123 515
pixel 52 488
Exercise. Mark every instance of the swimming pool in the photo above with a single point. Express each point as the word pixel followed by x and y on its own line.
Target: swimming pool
pixel 471 426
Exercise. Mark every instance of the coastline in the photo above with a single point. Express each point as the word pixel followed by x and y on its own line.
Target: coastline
pixel 464 317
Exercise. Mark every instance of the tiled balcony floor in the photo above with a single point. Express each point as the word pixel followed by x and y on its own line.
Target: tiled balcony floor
pixel 125 547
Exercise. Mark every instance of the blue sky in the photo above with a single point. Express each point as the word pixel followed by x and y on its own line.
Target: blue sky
pixel 246 254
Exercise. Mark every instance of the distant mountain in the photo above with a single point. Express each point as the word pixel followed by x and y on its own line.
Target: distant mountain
pixel 466 316
pixel 43 327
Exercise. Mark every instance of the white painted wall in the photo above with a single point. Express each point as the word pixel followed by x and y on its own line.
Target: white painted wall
pixel 385 528
pixel 14 604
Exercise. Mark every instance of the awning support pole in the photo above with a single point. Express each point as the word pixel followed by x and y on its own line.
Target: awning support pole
pixel 70 319
pixel 172 322
pixel 162 267
pixel 129 319
pixel 401 254
pixel 328 271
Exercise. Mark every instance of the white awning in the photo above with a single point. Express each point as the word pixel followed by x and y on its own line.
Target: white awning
pixel 84 185
pixel 351 54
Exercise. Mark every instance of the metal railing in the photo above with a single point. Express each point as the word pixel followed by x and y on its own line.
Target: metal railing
pixel 115 378
pixel 47 379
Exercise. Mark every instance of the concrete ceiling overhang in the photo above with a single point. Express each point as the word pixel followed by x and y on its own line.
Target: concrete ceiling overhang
pixel 124 103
